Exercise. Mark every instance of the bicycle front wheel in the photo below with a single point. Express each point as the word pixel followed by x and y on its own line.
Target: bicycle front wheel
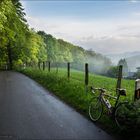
pixel 95 109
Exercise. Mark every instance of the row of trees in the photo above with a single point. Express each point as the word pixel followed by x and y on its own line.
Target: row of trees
pixel 60 51
pixel 12 30
pixel 20 45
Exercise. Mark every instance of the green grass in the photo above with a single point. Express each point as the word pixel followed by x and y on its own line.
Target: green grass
pixel 72 91
pixel 99 81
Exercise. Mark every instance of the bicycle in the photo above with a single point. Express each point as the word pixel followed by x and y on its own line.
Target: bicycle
pixel 117 112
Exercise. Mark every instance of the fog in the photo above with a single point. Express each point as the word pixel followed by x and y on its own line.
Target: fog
pixel 132 59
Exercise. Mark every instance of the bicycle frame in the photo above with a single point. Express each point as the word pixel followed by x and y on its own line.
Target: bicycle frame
pixel 103 100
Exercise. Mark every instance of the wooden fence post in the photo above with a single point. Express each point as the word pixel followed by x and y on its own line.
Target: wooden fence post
pixel 119 77
pixel 86 77
pixel 49 66
pixel 43 65
pixel 137 90
pixel 68 68
pixel 86 74
pixel 119 83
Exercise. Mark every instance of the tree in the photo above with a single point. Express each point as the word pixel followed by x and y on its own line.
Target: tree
pixel 35 48
pixel 12 31
pixel 113 72
pixel 125 66
pixel 64 51
pixel 51 45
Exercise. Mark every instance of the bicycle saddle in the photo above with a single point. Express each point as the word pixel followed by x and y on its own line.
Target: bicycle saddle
pixel 122 91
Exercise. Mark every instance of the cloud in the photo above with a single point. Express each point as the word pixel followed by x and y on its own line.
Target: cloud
pixel 133 1
pixel 70 27
pixel 125 37
pixel 114 45
pixel 104 36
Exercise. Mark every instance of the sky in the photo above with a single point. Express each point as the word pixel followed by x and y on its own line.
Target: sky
pixel 107 27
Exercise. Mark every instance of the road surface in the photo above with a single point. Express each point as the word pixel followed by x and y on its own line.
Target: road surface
pixel 28 111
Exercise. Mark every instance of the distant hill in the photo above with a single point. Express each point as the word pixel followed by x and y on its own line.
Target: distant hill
pixel 133 62
pixel 132 58
pixel 116 57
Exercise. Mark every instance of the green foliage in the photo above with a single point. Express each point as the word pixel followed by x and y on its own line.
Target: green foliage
pixel 12 30
pixel 57 50
pixel 113 71
pixel 34 50
pixel 18 44
pixel 61 51
pixel 131 120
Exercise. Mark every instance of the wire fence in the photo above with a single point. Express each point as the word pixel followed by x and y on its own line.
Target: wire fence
pixel 72 70
pixel 84 74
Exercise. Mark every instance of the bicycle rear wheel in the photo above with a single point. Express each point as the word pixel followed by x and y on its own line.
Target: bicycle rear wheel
pixel 121 115
pixel 95 109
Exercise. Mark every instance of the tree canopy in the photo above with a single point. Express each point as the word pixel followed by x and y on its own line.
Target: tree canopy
pixel 18 43
pixel 61 51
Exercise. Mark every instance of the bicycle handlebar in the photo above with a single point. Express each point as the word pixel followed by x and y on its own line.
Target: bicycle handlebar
pixel 100 89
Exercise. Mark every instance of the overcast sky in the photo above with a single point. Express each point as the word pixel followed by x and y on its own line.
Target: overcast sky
pixel 104 26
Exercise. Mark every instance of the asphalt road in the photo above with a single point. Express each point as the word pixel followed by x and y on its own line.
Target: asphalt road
pixel 28 111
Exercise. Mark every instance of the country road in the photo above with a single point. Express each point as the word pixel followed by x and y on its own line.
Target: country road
pixel 28 111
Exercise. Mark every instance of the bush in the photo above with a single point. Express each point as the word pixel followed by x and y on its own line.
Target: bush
pixel 112 72
pixel 132 120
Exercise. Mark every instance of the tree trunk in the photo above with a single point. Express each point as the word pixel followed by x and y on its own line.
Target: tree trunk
pixel 9 53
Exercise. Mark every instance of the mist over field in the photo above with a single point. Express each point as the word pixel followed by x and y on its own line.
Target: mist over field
pixel 132 59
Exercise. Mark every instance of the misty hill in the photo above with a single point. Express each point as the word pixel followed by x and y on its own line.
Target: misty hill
pixel 116 57
pixel 60 51
pixel 133 62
